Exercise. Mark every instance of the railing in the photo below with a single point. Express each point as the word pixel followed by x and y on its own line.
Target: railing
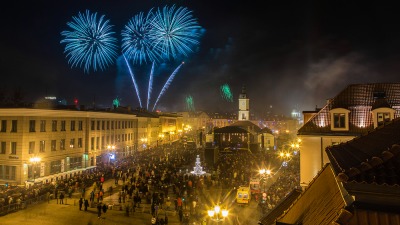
pixel 6 209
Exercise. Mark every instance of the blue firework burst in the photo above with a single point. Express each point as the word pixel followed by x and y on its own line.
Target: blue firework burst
pixel 174 31
pixel 90 42
pixel 136 42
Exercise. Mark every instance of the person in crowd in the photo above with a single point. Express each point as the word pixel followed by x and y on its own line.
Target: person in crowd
pixel 86 202
pixel 99 209
pixel 80 204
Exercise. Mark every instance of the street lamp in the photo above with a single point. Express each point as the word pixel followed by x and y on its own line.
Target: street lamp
pixel 216 214
pixel 264 173
pixel 34 161
pixel 111 154
pixel 144 142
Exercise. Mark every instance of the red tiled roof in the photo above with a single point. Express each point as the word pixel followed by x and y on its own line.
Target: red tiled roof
pixel 360 100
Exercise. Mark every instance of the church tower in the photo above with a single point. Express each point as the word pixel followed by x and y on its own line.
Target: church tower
pixel 244 113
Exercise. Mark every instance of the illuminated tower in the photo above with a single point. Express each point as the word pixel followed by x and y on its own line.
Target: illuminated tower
pixel 243 105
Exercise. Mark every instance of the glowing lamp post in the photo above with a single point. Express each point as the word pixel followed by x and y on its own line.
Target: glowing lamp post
pixel 264 173
pixel 144 142
pixel 34 161
pixel 111 155
pixel 217 215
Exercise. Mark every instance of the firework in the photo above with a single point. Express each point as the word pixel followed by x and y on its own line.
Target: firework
pixel 166 85
pixel 90 43
pixel 174 31
pixel 150 85
pixel 133 80
pixel 190 103
pixel 136 42
pixel 226 92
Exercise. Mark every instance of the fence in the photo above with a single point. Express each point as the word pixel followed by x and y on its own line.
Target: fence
pixel 6 209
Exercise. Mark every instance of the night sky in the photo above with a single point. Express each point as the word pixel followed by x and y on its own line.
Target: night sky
pixel 288 55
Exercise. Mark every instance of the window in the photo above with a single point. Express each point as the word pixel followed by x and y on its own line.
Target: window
pixel 31 147
pixel 108 125
pixel 72 125
pixel 53 145
pixel 43 126
pixel 3 147
pixel 32 125
pixel 62 125
pixel 55 167
pixel 112 125
pixel 119 124
pixel 102 142
pixel 13 148
pixel 92 125
pixel 92 143
pixel 97 142
pixel 54 125
pixel 102 125
pixel 98 124
pixel 72 143
pixel 383 117
pixel 62 144
pixel 75 163
pixel 7 172
pixel 339 120
pixel 80 125
pixel 79 142
pixel 42 147
pixel 14 126
pixel 3 126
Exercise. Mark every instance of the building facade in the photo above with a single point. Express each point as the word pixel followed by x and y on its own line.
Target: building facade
pixel 63 142
pixel 355 111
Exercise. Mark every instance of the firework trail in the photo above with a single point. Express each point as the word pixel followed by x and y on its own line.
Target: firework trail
pixel 167 84
pixel 133 80
pixel 226 92
pixel 90 42
pixel 174 32
pixel 150 86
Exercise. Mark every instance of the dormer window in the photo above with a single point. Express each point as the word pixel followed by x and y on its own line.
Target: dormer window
pixel 339 119
pixel 383 117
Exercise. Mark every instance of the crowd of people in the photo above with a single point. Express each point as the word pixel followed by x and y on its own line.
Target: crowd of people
pixel 159 177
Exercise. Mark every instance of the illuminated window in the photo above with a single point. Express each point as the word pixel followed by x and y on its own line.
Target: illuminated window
pixel 72 143
pixel 339 120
